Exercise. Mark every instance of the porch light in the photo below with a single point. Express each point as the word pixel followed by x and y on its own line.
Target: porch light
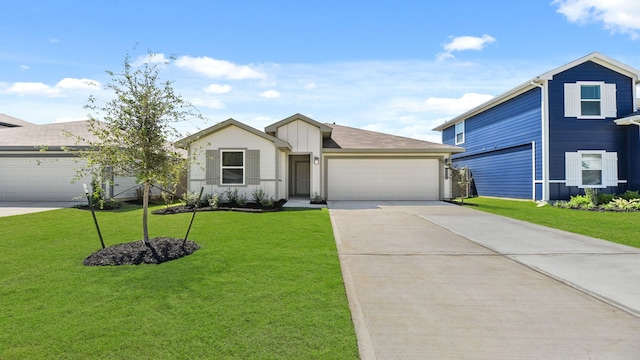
pixel 316 160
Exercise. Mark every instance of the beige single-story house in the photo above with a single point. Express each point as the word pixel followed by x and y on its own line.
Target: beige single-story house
pixel 27 173
pixel 300 157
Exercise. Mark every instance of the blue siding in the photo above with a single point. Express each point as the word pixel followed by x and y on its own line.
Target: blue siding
pixel 571 134
pixel 502 173
pixel 498 146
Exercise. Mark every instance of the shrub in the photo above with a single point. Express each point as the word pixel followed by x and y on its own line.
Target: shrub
pixel 630 195
pixel 231 194
pixel 581 202
pixel 604 199
pixel 214 201
pixel 189 199
pixel 258 195
pixel 241 200
pixel 267 202
pixel 626 205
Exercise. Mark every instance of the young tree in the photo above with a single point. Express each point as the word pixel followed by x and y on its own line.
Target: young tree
pixel 131 132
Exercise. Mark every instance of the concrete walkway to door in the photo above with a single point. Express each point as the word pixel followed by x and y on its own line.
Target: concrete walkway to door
pixel 430 280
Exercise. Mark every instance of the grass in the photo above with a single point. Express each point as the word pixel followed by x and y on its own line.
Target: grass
pixel 253 291
pixel 619 227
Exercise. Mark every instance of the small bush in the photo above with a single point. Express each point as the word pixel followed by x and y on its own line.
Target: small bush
pixel 189 199
pixel 581 202
pixel 231 194
pixel 241 200
pixel 267 202
pixel 604 199
pixel 630 195
pixel 258 195
pixel 214 201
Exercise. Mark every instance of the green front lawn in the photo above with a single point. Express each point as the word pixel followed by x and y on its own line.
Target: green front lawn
pixel 620 227
pixel 263 286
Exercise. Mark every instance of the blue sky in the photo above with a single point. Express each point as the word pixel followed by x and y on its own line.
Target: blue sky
pixel 400 67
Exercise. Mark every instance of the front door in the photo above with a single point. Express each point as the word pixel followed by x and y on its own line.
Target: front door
pixel 302 178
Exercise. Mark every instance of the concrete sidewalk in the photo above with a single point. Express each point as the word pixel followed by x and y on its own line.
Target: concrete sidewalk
pixel 437 281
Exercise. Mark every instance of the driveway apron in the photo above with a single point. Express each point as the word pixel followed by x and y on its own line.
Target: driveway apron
pixel 430 280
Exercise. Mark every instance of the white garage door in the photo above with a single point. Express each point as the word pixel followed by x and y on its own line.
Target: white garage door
pixel 27 179
pixel 382 179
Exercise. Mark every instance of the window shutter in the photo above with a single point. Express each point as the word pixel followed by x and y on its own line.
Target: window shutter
pixel 609 100
pixel 610 169
pixel 212 167
pixel 571 100
pixel 253 167
pixel 572 168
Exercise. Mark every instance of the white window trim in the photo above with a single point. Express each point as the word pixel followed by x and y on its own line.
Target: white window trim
pixel 580 99
pixel 573 100
pixel 609 169
pixel 455 133
pixel 243 167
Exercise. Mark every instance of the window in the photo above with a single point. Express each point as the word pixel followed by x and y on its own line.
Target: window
pixel 459 133
pixel 590 100
pixel 232 167
pixel 591 169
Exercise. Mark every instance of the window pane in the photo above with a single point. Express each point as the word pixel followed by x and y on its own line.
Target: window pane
pixel 591 161
pixel 591 177
pixel 232 176
pixel 232 158
pixel 590 91
pixel 590 107
pixel 459 137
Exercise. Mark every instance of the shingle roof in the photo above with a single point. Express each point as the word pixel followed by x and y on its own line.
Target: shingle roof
pixel 348 138
pixel 35 136
pixel 9 122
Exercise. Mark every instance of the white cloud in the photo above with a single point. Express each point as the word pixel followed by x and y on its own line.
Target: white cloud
pixel 69 119
pixel 42 89
pixel 24 67
pixel 456 105
pixel 32 88
pixel 270 94
pixel 310 86
pixel 155 58
pixel 218 68
pixel 217 89
pixel 462 43
pixel 208 103
pixel 618 16
pixel 77 84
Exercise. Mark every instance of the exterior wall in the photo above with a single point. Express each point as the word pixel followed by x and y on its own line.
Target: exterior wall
pixel 230 138
pixel 304 139
pixel 501 144
pixel 572 134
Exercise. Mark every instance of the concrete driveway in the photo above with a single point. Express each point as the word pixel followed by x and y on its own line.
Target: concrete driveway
pixel 430 280
pixel 10 208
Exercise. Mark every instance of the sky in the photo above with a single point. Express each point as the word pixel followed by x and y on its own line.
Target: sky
pixel 400 67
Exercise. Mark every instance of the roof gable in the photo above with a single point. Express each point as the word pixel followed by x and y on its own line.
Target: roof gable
pixel 185 142
pixel 539 80
pixel 273 128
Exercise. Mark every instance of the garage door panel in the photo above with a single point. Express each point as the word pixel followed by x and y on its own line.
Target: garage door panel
pixel 383 179
pixel 28 179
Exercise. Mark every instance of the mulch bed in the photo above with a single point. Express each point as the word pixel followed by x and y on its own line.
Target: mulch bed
pixel 158 251
pixel 249 207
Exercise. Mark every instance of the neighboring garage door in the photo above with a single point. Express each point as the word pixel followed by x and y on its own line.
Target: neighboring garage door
pixel 382 179
pixel 28 179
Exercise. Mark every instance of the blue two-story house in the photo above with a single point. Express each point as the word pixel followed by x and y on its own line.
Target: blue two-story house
pixel 574 127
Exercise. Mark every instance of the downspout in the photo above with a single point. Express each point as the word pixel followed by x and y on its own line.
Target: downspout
pixel 545 143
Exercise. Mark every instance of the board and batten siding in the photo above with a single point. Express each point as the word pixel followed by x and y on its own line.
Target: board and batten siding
pixel 305 138
pixel 261 158
pixel 570 134
pixel 499 144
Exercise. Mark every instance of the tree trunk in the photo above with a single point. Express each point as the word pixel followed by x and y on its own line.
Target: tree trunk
pixel 145 208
